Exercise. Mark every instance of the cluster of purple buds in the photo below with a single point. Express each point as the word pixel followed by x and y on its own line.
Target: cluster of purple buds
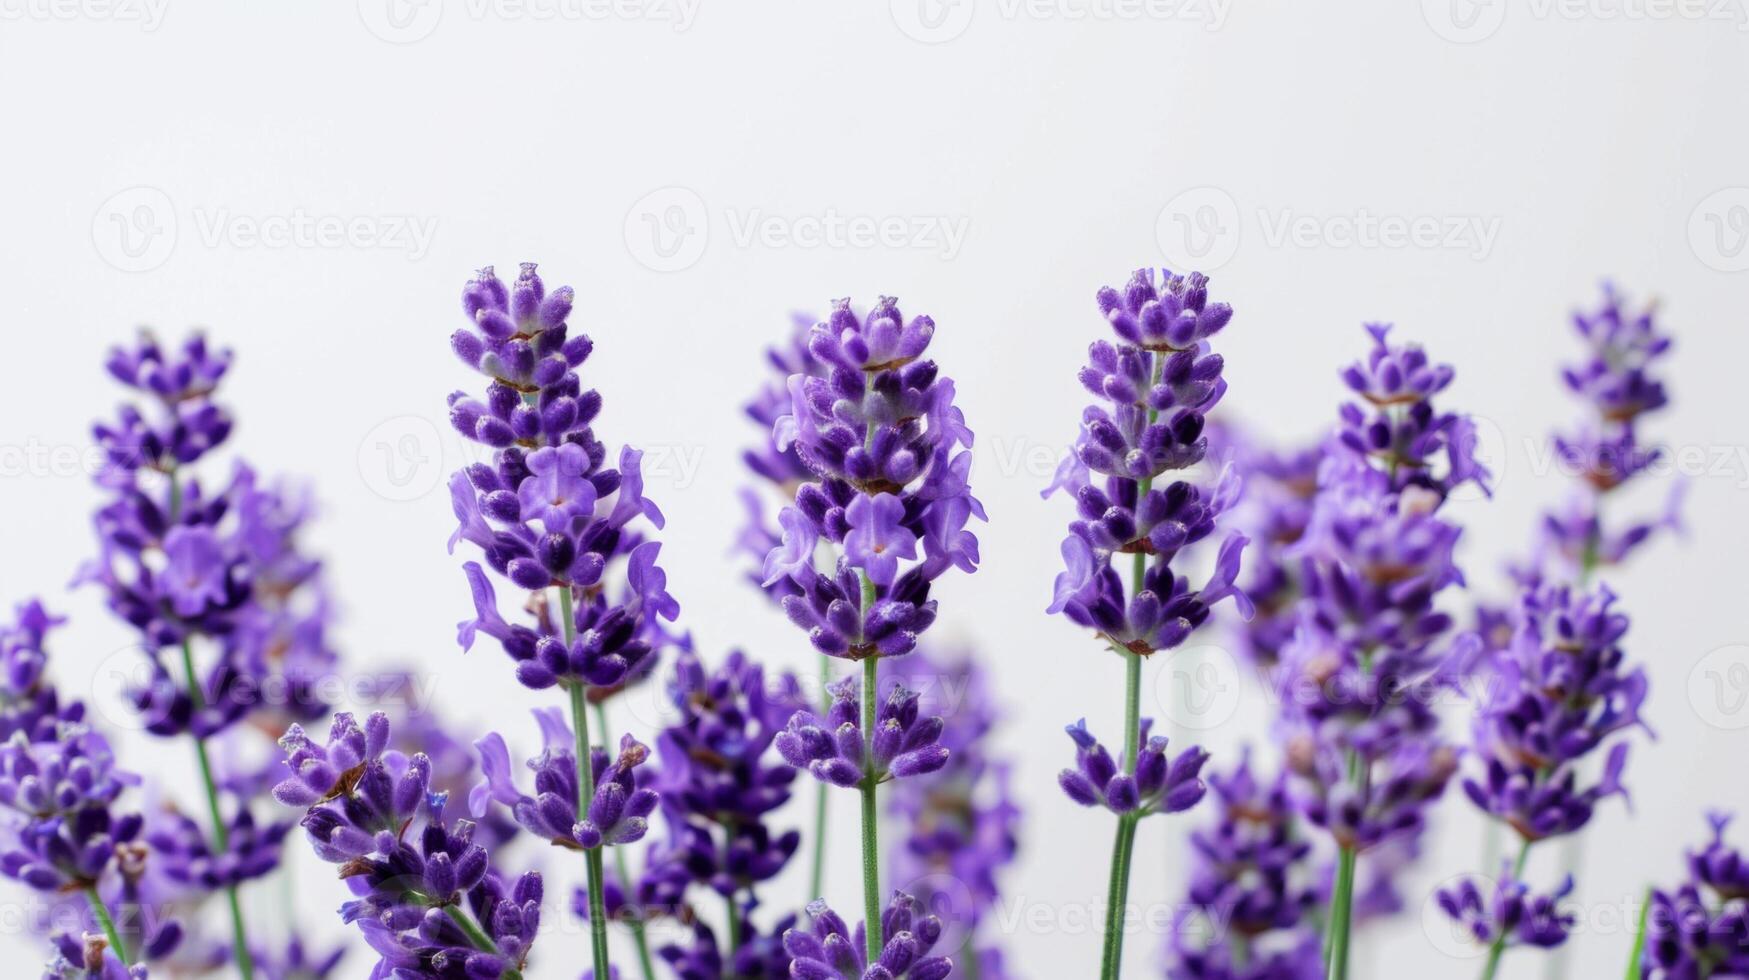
pixel 618 813
pixel 429 902
pixel 1506 912
pixel 29 704
pixel 1617 380
pixel 545 511
pixel 88 957
pixel 177 561
pixel 1399 429
pixel 1249 893
pixel 1701 927
pixel 836 750
pixel 1274 514
pixel 831 951
pixel 1555 695
pixel 889 456
pixel 1159 382
pixel 1157 783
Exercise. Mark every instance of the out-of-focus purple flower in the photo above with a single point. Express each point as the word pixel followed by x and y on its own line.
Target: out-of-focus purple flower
pixel 831 951
pixel 1158 783
pixel 29 704
pixel 1700 928
pixel 88 957
pixel 904 743
pixel 1508 912
pixel 1553 698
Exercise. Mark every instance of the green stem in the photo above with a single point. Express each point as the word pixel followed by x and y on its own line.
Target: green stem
pixel 871 849
pixel 1498 947
pixel 1117 897
pixel 478 937
pixel 221 834
pixel 635 922
pixel 732 901
pixel 1639 950
pixel 1341 916
pixel 586 793
pixel 103 919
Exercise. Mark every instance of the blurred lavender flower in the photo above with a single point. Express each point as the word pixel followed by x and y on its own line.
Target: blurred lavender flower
pixel 1700 928
pixel 1509 914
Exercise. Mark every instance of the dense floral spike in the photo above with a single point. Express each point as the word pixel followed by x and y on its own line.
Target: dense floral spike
pixel 1370 651
pixel 428 900
pixel 889 458
pixel 1249 891
pixel 1554 697
pixel 546 511
pixel 552 519
pixel 831 951
pixel 1156 385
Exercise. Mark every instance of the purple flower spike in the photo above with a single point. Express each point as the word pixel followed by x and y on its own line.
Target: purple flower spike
pixel 1158 784
pixel 881 465
pixel 831 951
pixel 1700 928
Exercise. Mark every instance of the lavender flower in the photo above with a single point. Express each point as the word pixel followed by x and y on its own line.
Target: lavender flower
pixel 617 812
pixel 1509 914
pixel 836 750
pixel 1157 384
pixel 831 951
pixel 1701 927
pixel 889 457
pixel 1555 696
pixel 428 900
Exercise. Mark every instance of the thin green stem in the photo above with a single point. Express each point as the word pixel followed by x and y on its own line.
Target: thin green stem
pixel 1117 897
pixel 1341 916
pixel 596 877
pixel 871 848
pixel 103 919
pixel 635 921
pixel 1639 951
pixel 1498 947
pixel 733 903
pixel 220 833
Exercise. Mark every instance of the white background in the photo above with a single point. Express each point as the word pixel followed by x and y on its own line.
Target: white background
pixel 1593 140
